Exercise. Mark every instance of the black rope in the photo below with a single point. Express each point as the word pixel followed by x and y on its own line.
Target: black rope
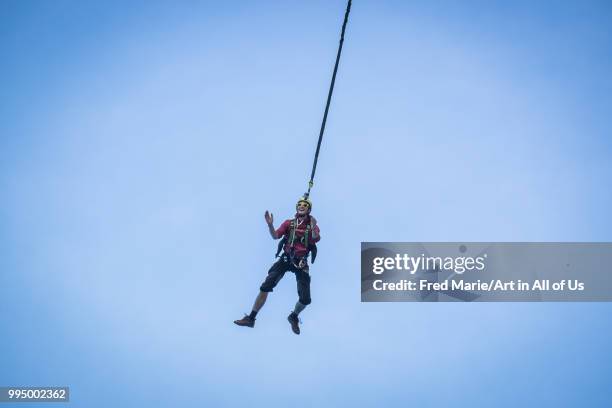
pixel 329 96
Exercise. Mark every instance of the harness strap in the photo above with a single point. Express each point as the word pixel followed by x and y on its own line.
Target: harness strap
pixel 304 240
pixel 292 233
pixel 290 237
pixel 306 236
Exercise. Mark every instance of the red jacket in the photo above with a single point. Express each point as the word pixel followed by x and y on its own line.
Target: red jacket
pixel 298 245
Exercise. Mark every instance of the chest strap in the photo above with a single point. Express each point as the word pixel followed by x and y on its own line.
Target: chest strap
pixel 291 236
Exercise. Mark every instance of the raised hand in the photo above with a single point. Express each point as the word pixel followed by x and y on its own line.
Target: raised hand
pixel 269 218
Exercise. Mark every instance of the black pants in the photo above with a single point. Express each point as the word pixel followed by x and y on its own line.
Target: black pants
pixel 278 270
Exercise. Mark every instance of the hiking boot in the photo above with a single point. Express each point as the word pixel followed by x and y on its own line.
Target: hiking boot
pixel 247 321
pixel 295 323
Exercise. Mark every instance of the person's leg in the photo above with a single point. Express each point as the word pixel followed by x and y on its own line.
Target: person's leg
pixel 275 274
pixel 298 308
pixel 303 286
pixel 260 300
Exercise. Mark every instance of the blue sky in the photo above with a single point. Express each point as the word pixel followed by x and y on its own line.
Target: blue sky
pixel 141 143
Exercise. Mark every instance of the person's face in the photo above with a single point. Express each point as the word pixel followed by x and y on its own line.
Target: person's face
pixel 303 208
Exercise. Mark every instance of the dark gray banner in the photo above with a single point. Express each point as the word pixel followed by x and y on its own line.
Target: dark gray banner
pixel 486 272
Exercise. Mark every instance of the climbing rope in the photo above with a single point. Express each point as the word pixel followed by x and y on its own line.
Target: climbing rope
pixel 329 95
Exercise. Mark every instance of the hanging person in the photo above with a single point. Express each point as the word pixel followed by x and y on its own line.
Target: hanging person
pixel 300 234
pixel 299 237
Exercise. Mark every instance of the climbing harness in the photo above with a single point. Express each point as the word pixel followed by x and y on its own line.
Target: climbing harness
pixel 291 239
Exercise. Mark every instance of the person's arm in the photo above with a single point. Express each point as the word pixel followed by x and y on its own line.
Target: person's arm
pixel 282 230
pixel 270 221
pixel 315 235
